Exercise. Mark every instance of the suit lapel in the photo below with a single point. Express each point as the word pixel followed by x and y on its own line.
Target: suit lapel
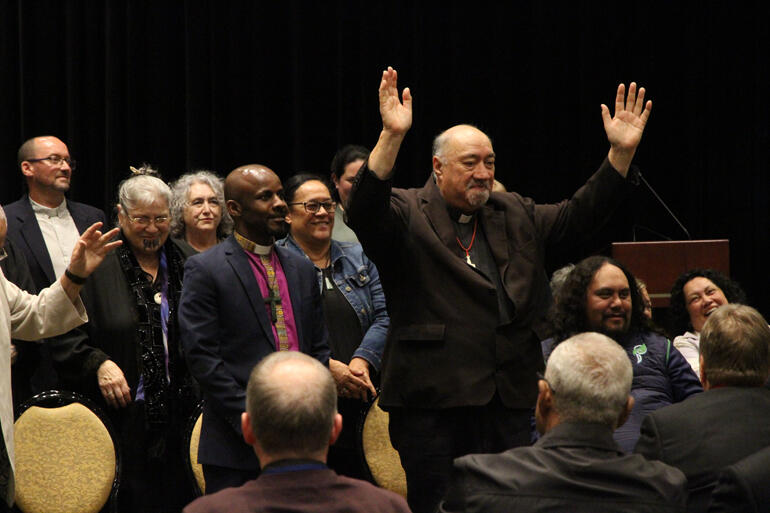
pixel 30 232
pixel 434 207
pixel 493 224
pixel 237 259
pixel 81 223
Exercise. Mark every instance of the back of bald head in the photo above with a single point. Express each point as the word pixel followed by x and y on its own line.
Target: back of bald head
pixel 243 178
pixel 291 400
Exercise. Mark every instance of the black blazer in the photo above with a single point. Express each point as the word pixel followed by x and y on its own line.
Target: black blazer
pixel 25 233
pixel 575 467
pixel 705 433
pixel 226 332
pixel 744 487
pixel 444 347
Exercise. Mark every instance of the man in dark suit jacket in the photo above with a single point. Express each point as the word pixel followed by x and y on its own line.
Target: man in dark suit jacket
pixel 731 419
pixel 576 466
pixel 290 420
pixel 47 168
pixel 463 274
pixel 744 487
pixel 242 300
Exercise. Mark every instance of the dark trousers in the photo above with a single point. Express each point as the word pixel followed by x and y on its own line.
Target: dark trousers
pixel 429 440
pixel 218 478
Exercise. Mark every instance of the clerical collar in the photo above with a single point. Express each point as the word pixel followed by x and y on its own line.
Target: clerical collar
pixel 60 211
pixel 252 247
pixel 458 217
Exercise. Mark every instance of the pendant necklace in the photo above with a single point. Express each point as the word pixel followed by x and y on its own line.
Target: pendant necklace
pixel 468 249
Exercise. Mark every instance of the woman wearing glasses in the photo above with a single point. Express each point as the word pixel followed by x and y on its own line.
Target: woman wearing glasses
pixel 199 220
pixel 129 358
pixel 353 304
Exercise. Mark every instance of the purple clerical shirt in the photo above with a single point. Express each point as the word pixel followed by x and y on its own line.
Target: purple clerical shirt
pixel 283 289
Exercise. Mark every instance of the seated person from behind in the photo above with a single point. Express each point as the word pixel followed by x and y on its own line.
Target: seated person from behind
pixel 731 419
pixel 576 465
pixel 694 296
pixel 290 420
pixel 598 296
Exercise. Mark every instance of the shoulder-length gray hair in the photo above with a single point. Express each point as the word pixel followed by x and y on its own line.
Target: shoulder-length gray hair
pixel 180 199
pixel 143 188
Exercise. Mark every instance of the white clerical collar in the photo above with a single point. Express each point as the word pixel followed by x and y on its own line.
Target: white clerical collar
pixel 251 246
pixel 59 211
pixel 465 219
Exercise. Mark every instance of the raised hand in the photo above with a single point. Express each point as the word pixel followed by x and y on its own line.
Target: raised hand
pixel 90 250
pixel 396 113
pixel 624 129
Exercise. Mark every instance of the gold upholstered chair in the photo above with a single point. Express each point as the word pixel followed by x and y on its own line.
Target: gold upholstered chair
pixel 193 436
pixel 67 460
pixel 381 459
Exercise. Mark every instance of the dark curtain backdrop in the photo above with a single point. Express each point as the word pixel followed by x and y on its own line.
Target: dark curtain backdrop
pixel 186 85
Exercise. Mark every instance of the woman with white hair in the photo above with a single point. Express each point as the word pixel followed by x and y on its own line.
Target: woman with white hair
pixel 129 357
pixel 199 219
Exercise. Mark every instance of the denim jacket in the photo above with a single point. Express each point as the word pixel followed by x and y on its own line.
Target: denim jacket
pixel 358 280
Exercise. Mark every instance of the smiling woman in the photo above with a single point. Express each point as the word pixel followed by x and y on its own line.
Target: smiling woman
pixel 128 357
pixel 696 294
pixel 353 305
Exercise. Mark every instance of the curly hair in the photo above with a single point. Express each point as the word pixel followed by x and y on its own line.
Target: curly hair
pixel 181 189
pixel 568 316
pixel 680 318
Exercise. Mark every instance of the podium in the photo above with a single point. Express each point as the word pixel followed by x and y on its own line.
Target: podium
pixel 658 264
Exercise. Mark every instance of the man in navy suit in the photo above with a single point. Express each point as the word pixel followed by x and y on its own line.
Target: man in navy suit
pixel 43 227
pixel 242 300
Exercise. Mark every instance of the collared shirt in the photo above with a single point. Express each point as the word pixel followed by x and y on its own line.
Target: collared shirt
pixel 253 252
pixel 59 233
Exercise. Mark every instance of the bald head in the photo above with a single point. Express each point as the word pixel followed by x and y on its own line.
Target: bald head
pixel 455 135
pixel 3 227
pixel 254 199
pixel 464 167
pixel 291 401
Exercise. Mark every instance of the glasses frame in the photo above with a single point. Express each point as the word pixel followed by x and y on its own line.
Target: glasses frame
pixel 157 221
pixel 332 206
pixel 54 158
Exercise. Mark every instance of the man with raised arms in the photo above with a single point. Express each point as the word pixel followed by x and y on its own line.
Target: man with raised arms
pixel 463 273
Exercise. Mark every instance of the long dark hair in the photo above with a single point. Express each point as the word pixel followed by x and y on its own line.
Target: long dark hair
pixel 568 316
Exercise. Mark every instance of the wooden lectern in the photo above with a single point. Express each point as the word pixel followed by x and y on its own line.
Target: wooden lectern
pixel 659 263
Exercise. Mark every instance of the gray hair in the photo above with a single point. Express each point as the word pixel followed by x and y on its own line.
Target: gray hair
pixel 735 346
pixel 291 415
pixel 142 189
pixel 558 278
pixel 591 379
pixel 180 198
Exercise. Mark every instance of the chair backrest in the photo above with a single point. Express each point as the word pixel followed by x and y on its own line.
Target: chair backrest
pixel 381 458
pixel 193 436
pixel 66 458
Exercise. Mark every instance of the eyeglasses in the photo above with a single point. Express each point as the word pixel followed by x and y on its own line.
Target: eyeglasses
pixel 314 206
pixel 145 221
pixel 540 375
pixel 56 160
pixel 3 254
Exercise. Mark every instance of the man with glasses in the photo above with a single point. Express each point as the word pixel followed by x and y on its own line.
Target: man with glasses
pixel 43 226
